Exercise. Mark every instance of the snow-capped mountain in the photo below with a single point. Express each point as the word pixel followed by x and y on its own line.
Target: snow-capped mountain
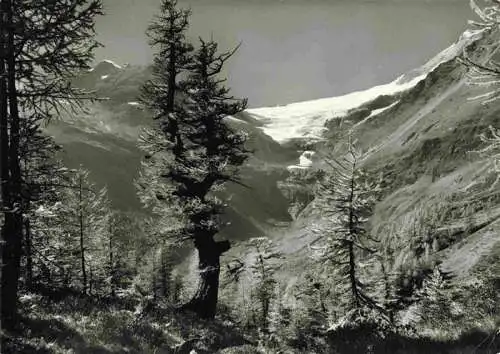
pixel 102 71
pixel 307 119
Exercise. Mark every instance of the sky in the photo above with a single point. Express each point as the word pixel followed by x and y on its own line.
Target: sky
pixel 295 50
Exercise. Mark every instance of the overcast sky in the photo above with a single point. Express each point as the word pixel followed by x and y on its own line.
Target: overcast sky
pixel 296 50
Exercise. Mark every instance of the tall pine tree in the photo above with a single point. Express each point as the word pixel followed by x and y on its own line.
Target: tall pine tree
pixel 211 157
pixel 196 151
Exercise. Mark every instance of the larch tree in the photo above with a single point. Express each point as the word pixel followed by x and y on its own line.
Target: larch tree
pixel 346 198
pixel 484 70
pixel 43 45
pixel 41 175
pixel 121 250
pixel 84 214
pixel 263 269
pixel 485 67
pixel 194 151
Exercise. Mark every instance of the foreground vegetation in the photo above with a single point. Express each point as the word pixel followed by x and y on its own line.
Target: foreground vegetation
pixel 84 324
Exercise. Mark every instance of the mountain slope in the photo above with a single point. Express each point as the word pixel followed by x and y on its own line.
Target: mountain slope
pixel 422 142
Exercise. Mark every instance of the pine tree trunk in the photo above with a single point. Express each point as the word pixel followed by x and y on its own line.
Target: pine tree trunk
pixel 13 227
pixel 266 303
pixel 4 133
pixel 6 296
pixel 204 301
pixel 164 273
pixel 170 108
pixel 387 293
pixel 11 256
pixel 153 278
pixel 352 237
pixel 265 295
pixel 91 280
pixel 172 74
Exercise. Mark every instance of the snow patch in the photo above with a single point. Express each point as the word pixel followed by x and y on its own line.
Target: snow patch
pixel 104 77
pixel 305 161
pixel 134 104
pixel 307 119
pixel 113 63
pixel 116 66
pixel 376 112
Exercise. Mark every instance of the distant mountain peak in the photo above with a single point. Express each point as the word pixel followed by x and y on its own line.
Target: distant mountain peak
pixel 112 63
pixel 106 66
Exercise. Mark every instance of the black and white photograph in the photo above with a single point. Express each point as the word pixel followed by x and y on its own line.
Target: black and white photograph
pixel 250 176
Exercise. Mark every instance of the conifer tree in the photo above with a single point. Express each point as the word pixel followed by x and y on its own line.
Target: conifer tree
pixel 43 175
pixel 71 236
pixel 43 44
pixel 346 198
pixel 86 212
pixel 122 251
pixel 263 270
pixel 212 155
pixel 167 35
pixel 483 64
pixel 314 308
pixel 194 151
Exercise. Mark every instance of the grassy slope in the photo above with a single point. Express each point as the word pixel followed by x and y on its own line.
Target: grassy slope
pixel 85 325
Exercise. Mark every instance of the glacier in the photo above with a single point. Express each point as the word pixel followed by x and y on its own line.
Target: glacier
pixel 307 119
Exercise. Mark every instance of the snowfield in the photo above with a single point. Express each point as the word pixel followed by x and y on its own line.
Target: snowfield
pixel 307 119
